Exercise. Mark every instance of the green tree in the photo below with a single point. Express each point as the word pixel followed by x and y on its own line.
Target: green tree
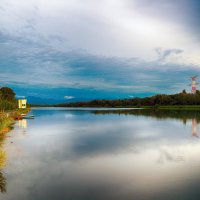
pixel 184 91
pixel 7 94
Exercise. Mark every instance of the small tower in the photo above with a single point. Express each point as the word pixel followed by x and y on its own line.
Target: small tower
pixel 194 84
pixel 22 103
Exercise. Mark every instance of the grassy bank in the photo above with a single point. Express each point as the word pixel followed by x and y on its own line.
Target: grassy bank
pixel 156 107
pixel 176 107
pixel 7 119
pixel 159 107
pixel 5 123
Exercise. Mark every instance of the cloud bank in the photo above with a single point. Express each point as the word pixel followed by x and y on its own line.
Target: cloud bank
pixel 98 49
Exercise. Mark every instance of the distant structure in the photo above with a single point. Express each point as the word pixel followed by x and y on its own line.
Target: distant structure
pixel 22 103
pixel 194 84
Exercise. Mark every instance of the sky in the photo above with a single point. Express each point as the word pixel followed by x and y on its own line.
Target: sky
pixel 71 50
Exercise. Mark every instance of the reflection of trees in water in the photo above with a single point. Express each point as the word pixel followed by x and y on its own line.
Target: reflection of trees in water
pixel 165 154
pixel 2 183
pixel 183 115
pixel 3 158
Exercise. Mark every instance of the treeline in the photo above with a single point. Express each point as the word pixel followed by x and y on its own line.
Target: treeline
pixel 182 98
pixel 7 99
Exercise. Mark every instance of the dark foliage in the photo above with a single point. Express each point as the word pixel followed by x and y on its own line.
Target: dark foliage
pixel 7 94
pixel 182 98
pixel 7 99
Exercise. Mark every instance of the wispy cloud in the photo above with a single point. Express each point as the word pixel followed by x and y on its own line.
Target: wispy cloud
pixel 20 97
pixel 34 65
pixel 163 55
pixel 69 97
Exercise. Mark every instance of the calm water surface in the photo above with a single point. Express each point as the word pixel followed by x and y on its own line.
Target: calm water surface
pixel 102 155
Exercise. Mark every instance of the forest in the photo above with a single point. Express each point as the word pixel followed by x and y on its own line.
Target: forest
pixel 182 98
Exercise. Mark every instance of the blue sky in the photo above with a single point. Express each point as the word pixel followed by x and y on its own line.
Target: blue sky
pixel 74 50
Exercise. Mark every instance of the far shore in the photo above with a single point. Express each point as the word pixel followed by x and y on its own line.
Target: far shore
pixel 156 107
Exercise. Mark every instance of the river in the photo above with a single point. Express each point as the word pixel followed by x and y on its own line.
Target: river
pixel 95 154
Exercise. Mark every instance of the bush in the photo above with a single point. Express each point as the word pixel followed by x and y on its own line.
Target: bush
pixel 7 105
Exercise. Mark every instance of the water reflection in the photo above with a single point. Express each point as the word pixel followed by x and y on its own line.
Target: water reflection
pixel 102 155
pixel 184 116
pixel 22 123
pixel 194 128
pixel 170 156
pixel 2 183
pixel 158 114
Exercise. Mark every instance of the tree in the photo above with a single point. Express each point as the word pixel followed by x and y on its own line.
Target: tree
pixel 184 91
pixel 7 94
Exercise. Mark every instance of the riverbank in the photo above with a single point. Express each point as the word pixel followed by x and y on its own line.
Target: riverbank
pixel 7 119
pixel 156 107
pixel 177 107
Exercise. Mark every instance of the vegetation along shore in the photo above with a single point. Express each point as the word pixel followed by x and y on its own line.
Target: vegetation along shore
pixel 9 109
pixel 179 101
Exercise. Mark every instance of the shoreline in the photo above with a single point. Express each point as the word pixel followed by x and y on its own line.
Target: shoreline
pixel 156 107
pixel 8 118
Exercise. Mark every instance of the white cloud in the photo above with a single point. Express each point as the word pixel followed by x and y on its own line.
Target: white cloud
pixel 69 97
pixel 109 28
pixel 21 97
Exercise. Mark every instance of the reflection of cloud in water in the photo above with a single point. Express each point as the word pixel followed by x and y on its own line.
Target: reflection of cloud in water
pixel 68 116
pixel 77 138
pixel 84 157
pixel 109 138
pixel 123 176
pixel 168 155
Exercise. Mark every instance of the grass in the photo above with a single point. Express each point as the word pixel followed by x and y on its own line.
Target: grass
pixel 178 107
pixel 159 107
pixel 3 158
pixel 5 123
pixel 7 119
